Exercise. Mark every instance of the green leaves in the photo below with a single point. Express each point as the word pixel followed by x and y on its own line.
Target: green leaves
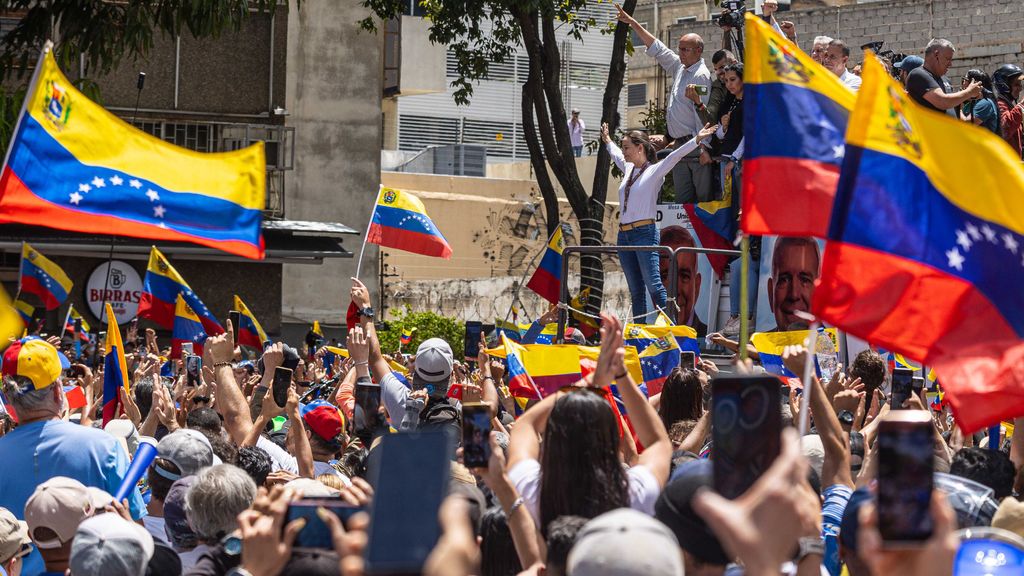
pixel 428 325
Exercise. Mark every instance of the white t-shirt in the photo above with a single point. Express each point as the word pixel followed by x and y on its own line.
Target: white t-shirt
pixel 643 487
pixel 850 80
pixel 280 459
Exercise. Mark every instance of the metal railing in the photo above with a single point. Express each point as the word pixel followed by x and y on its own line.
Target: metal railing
pixel 563 298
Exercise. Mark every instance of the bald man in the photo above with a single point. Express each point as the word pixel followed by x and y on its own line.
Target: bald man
pixel 687 279
pixel 796 263
pixel 691 177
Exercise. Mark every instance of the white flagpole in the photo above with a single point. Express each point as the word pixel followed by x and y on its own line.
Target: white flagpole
pixel 24 104
pixel 362 249
pixel 64 327
pixel 805 414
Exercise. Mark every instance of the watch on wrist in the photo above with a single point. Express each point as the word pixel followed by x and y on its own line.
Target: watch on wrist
pixel 846 417
pixel 367 312
pixel 810 545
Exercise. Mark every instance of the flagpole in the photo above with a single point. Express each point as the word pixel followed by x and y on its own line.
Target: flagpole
pixel 805 416
pixel 744 295
pixel 64 327
pixel 362 249
pixel 47 46
pixel 21 264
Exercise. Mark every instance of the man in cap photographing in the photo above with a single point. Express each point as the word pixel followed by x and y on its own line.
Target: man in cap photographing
pixel 431 374
pixel 43 445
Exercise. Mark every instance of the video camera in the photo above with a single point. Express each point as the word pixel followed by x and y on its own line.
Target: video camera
pixel 732 14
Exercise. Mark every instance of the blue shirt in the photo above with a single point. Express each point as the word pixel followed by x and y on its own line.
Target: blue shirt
pixel 35 452
pixel 985 111
pixel 836 498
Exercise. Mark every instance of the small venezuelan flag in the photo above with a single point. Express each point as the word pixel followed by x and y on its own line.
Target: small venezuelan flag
pixel 250 333
pixel 160 291
pixel 400 221
pixel 25 311
pixel 44 278
pixel 407 335
pixel 187 328
pixel 547 279
pixel 115 369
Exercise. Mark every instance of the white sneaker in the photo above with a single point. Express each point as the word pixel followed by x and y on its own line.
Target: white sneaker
pixel 732 327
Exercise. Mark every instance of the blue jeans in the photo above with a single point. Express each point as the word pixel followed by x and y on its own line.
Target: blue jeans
pixel 734 286
pixel 642 271
pixel 577 151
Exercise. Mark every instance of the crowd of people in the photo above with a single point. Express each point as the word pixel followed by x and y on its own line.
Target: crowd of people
pixel 571 485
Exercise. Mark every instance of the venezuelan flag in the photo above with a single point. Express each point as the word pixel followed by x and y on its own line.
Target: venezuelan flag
pixel 547 278
pixel 400 221
pixel 42 277
pixel 160 291
pixel 552 366
pixel 796 113
pixel 714 223
pixel 407 335
pixel 925 248
pixel 510 329
pixel 187 328
pixel 641 336
pixel 74 166
pixel 657 361
pixel 25 311
pixel 520 384
pixel 82 331
pixel 770 345
pixel 250 333
pixel 115 369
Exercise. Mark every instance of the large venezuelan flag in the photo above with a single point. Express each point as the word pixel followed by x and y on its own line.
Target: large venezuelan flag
pixel 796 113
pixel 400 221
pixel 160 291
pixel 115 369
pixel 547 278
pixel 187 328
pixel 250 333
pixel 43 277
pixel 770 346
pixel 74 166
pixel 926 248
pixel 520 384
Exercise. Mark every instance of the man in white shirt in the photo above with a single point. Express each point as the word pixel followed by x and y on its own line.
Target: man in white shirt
pixel 576 128
pixel 692 179
pixel 836 57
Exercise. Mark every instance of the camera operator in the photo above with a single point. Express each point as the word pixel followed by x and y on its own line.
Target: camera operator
pixel 692 176
pixel 731 19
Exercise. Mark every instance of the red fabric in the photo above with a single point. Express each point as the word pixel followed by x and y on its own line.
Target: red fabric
pixel 416 242
pixel 709 239
pixel 352 316
pixel 1011 123
pixel 546 285
pixel 773 204
pixel 919 311
pixel 31 285
pixel 158 311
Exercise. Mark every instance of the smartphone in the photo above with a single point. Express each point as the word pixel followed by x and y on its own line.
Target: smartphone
pixel 688 360
pixel 193 370
pixel 236 321
pixel 699 89
pixel 316 534
pixel 399 514
pixel 902 387
pixel 746 430
pixel 282 379
pixel 187 349
pixel 476 434
pixel 472 343
pixel 905 478
pixel 917 384
pixel 368 401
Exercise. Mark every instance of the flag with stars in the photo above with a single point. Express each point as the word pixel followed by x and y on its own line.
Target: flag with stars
pixel 796 113
pixel 75 166
pixel 187 328
pixel 400 221
pixel 160 290
pixel 43 277
pixel 924 252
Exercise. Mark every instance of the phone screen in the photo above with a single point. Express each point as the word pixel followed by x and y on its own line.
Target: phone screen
pixel 902 387
pixel 317 534
pixel 399 514
pixel 476 432
pixel 746 418
pixel 905 477
pixel 282 379
pixel 186 348
pixel 472 343
pixel 236 322
pixel 193 370
pixel 688 360
pixel 368 401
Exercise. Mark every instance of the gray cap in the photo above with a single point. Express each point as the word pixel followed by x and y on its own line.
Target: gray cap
pixel 109 545
pixel 575 110
pixel 625 542
pixel 434 360
pixel 187 449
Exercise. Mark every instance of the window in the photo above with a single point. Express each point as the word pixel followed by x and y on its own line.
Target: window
pixel 636 95
pixel 413 8
pixel 686 20
pixel 635 38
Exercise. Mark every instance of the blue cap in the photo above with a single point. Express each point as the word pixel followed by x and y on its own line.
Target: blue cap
pixel 909 63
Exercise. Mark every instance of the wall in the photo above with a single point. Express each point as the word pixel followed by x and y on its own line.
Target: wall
pixel 334 102
pixel 985 32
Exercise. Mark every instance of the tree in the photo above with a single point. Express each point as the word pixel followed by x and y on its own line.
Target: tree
pixel 103 34
pixel 532 24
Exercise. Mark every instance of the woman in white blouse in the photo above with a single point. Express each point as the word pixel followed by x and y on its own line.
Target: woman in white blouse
pixel 638 198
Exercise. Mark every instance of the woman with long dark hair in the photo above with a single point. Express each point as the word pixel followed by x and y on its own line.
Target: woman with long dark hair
pixel 577 470
pixel 983 110
pixel 682 397
pixel 638 199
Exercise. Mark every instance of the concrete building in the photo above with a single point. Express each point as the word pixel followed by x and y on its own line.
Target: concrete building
pixel 308 83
